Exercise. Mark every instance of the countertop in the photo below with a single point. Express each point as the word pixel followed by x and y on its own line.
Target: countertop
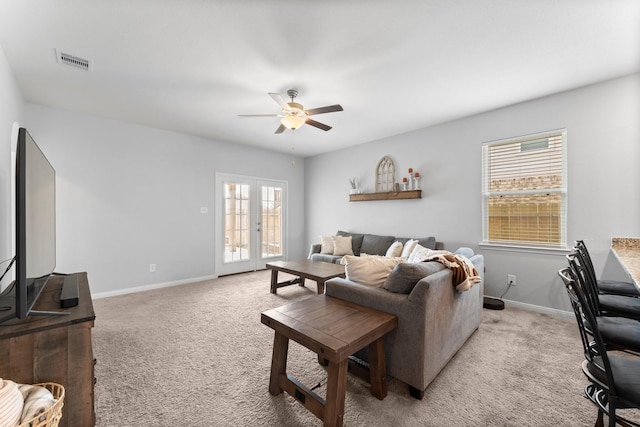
pixel 627 250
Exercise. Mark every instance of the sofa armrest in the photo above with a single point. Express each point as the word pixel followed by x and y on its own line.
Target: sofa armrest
pixel 315 249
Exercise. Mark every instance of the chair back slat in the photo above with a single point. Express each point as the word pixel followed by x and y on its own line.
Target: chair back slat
pixel 585 260
pixel 578 274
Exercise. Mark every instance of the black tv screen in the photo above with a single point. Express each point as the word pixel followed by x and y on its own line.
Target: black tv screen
pixel 35 222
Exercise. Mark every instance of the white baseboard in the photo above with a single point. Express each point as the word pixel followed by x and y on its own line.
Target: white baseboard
pixel 540 309
pixel 150 287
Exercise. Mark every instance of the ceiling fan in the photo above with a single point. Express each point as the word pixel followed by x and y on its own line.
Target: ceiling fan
pixel 294 115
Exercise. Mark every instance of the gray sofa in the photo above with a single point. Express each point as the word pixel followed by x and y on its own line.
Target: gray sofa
pixel 434 320
pixel 371 244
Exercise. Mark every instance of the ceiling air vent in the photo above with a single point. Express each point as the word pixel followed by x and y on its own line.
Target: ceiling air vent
pixel 73 61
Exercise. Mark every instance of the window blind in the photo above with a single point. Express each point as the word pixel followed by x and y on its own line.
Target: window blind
pixel 524 191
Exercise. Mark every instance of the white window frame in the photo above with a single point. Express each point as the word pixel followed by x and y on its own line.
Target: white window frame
pixel 510 244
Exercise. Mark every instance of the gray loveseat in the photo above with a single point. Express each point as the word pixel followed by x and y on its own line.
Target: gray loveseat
pixel 434 320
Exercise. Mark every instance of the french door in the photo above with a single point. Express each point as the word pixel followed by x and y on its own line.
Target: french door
pixel 250 223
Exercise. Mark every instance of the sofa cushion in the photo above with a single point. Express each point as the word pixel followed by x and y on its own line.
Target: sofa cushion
pixel 372 244
pixel 326 258
pixel 356 240
pixel 395 250
pixel 342 245
pixel 404 276
pixel 369 270
pixel 427 242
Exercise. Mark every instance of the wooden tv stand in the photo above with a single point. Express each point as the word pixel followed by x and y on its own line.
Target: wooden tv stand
pixel 55 349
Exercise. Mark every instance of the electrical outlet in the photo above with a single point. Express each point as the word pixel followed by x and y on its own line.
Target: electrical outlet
pixel 511 279
pixel 152 268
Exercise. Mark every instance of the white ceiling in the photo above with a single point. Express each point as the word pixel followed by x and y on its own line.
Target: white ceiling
pixel 192 66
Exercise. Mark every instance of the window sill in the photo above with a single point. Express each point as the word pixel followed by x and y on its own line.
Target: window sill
pixel 525 249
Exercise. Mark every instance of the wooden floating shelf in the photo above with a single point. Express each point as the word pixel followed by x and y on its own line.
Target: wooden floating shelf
pixel 389 195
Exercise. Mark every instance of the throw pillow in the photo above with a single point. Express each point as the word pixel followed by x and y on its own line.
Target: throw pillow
pixel 370 270
pixel 342 245
pixel 395 250
pixel 464 251
pixel 418 254
pixel 409 246
pixel 404 276
pixel 326 245
pixel 356 240
pixel 427 242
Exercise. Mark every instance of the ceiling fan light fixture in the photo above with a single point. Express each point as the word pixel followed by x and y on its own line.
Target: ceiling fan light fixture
pixel 293 122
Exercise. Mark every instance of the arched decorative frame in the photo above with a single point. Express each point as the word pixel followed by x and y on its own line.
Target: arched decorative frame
pixel 385 175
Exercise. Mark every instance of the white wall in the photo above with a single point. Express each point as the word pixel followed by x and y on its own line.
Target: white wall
pixel 603 133
pixel 129 196
pixel 11 111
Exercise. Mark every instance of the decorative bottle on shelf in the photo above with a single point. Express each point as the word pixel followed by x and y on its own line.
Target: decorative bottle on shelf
pixel 354 186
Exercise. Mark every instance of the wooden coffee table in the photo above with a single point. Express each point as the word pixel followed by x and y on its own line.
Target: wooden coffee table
pixel 317 271
pixel 334 329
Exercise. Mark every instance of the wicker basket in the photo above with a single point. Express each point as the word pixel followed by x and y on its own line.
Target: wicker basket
pixel 50 417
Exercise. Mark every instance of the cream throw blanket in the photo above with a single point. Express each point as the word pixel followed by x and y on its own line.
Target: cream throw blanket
pixel 464 272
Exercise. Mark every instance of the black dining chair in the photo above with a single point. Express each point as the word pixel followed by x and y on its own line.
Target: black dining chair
pixel 618 332
pixel 603 304
pixel 614 287
pixel 614 378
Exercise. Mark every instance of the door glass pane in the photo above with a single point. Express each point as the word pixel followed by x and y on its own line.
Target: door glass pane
pixel 236 222
pixel 271 215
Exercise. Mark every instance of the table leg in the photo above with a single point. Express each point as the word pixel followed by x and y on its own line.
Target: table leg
pixel 278 362
pixel 336 391
pixel 301 281
pixel 320 287
pixel 323 361
pixel 274 281
pixel 377 369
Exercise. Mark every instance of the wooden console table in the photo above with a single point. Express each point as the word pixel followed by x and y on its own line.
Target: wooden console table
pixel 55 349
pixel 334 329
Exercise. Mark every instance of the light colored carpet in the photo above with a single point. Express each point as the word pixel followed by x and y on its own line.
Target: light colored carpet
pixel 197 355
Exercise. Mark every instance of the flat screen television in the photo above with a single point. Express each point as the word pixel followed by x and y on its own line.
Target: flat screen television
pixel 35 222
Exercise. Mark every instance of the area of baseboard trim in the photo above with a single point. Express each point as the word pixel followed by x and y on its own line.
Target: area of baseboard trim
pixel 539 309
pixel 150 287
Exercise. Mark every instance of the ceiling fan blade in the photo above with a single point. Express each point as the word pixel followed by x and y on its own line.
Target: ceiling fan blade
pixel 318 124
pixel 281 129
pixel 257 115
pixel 280 100
pixel 321 110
